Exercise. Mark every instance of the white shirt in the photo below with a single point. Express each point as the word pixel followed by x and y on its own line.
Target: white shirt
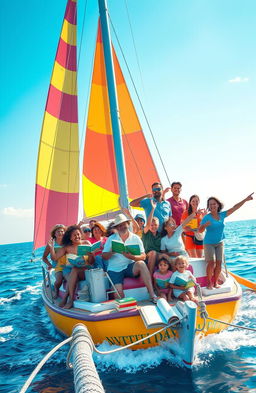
pixel 119 262
pixel 173 243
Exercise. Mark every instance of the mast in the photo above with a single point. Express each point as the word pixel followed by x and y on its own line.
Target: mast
pixel 113 101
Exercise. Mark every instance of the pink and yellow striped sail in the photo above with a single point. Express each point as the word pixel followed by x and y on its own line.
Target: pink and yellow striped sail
pixel 100 186
pixel 57 180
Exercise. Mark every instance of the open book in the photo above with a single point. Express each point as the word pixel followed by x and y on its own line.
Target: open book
pixel 160 315
pixel 120 247
pixel 183 283
pixel 83 249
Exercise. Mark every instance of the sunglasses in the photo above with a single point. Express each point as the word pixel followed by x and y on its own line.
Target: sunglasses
pixel 156 189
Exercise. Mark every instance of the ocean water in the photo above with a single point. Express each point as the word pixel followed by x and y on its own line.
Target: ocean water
pixel 224 362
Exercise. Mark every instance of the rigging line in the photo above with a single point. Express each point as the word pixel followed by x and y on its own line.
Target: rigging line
pixel 142 108
pixel 135 49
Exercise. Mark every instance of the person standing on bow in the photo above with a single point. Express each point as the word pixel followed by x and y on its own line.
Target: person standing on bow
pixel 163 208
pixel 178 205
pixel 193 239
pixel 125 264
pixel 213 223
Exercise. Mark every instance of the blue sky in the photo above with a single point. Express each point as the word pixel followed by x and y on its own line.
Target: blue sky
pixel 195 71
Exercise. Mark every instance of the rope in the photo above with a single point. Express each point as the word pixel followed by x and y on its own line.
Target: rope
pixel 69 365
pixel 40 365
pixel 231 324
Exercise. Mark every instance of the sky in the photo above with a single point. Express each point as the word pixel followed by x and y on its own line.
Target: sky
pixel 194 65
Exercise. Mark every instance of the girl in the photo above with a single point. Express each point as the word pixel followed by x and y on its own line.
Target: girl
pixel 172 243
pixel 194 250
pixel 161 279
pixel 181 279
pixel 57 233
pixel 213 241
pixel 99 234
pixel 70 241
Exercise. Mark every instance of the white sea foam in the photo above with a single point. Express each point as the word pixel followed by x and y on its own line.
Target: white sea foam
pixel 133 361
pixel 5 330
pixel 34 290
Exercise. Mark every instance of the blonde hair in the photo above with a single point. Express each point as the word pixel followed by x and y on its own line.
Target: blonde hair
pixel 181 258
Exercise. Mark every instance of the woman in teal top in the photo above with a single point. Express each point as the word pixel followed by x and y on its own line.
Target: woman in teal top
pixel 213 223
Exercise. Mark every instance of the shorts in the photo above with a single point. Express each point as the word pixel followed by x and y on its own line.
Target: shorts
pixel 214 252
pixel 118 277
pixel 178 292
pixel 190 245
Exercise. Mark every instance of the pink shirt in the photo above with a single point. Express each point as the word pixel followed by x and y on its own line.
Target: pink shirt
pixel 103 241
pixel 178 207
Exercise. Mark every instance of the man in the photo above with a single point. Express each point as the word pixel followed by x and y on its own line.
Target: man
pixel 163 208
pixel 121 265
pixel 178 205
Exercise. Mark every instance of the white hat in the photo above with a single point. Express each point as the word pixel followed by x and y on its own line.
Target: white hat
pixel 119 219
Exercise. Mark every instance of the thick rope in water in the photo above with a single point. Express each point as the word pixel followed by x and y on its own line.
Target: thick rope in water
pixel 86 377
pixel 69 365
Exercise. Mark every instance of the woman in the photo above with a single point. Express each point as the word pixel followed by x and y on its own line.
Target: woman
pixel 57 233
pixel 99 234
pixel 213 241
pixel 70 241
pixel 195 250
pixel 171 242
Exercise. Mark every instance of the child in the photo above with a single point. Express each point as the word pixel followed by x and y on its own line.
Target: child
pixel 141 222
pixel 161 279
pixel 180 291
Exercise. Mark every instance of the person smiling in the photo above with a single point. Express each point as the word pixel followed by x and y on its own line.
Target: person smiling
pixel 163 208
pixel 213 223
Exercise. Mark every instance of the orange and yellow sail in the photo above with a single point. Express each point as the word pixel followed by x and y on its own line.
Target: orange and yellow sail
pixel 57 180
pixel 100 185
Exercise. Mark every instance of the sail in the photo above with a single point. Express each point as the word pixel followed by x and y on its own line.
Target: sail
pixel 99 182
pixel 57 179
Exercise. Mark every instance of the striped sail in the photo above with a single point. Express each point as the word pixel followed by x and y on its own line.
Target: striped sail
pixel 57 180
pixel 99 182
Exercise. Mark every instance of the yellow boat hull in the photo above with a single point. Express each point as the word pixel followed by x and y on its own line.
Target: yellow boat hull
pixel 123 330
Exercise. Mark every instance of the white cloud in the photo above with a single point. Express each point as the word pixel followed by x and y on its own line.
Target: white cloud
pixel 19 213
pixel 238 79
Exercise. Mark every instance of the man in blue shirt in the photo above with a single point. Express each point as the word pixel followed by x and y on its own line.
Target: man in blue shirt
pixel 163 208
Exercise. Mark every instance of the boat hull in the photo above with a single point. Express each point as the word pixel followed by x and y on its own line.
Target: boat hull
pixel 127 327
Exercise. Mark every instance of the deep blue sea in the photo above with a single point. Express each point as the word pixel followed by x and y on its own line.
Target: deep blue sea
pixel 224 362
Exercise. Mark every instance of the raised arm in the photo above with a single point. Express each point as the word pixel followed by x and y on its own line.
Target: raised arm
pixel 239 204
pixel 189 218
pixel 136 202
pixel 55 255
pixel 151 215
pixel 135 225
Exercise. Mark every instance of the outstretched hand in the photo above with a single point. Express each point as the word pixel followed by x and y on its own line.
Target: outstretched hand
pixel 203 212
pixel 250 197
pixel 51 242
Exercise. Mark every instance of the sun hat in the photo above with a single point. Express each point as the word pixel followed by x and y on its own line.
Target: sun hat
pixel 86 229
pixel 119 219
pixel 140 216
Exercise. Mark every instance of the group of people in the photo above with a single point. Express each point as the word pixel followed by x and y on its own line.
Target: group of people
pixel 172 230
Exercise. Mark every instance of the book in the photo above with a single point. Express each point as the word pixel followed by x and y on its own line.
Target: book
pixel 126 308
pixel 160 315
pixel 78 261
pixel 120 247
pixel 125 300
pixel 183 283
pixel 95 307
pixel 83 249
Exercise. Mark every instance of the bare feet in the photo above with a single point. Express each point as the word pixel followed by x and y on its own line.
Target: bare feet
pixel 63 302
pixel 69 304
pixel 209 287
pixel 216 285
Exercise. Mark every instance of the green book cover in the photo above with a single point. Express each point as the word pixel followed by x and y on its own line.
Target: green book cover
pixel 125 300
pixel 83 249
pixel 180 282
pixel 119 247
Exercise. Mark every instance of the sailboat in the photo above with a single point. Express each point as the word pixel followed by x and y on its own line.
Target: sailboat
pixel 117 168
